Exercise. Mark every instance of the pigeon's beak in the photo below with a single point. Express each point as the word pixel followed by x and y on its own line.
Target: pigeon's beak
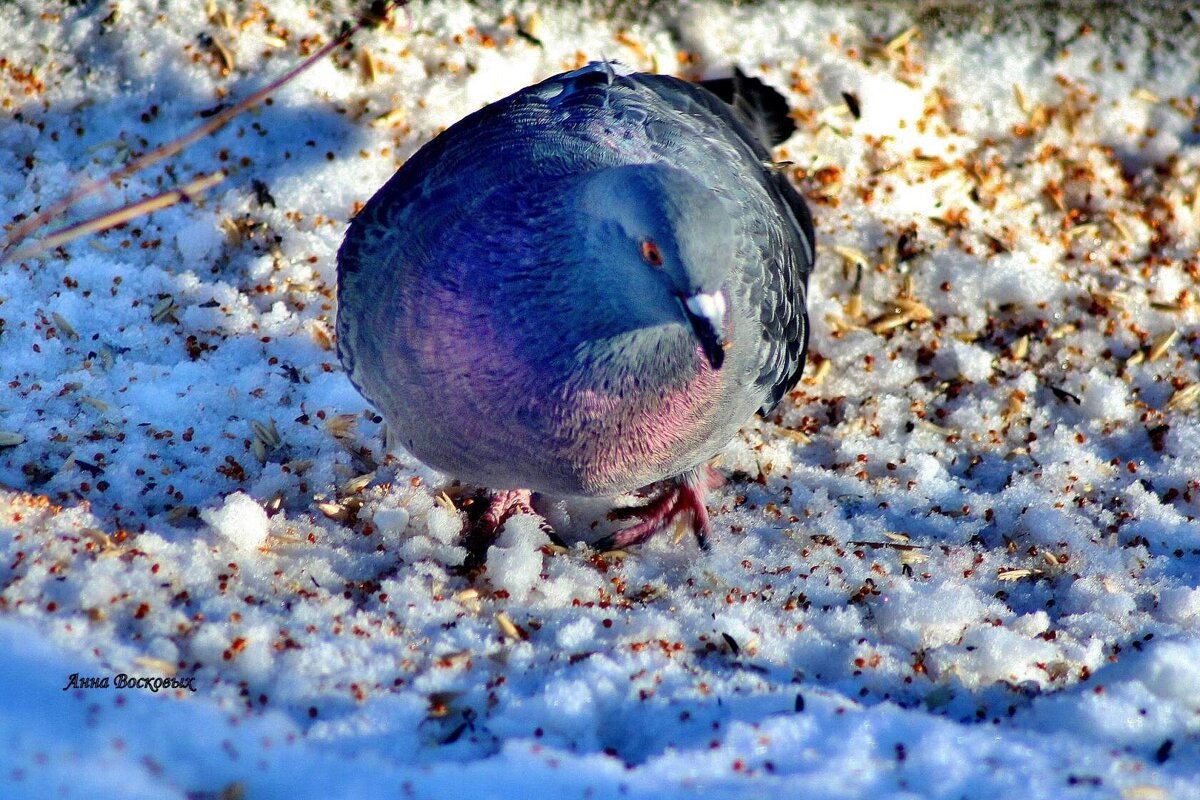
pixel 706 313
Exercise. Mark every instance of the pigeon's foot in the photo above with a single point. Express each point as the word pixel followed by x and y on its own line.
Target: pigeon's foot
pixel 682 496
pixel 504 505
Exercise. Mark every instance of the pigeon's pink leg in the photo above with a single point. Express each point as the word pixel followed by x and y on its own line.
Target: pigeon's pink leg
pixel 504 505
pixel 682 495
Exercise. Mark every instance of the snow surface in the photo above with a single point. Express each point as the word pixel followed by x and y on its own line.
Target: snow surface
pixel 962 561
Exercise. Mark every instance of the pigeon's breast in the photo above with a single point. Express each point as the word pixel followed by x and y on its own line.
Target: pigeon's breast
pixel 501 406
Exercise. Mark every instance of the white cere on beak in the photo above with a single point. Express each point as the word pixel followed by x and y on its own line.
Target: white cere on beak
pixel 708 306
pixel 706 313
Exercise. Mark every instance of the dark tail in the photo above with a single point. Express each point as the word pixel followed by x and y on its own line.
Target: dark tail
pixel 762 109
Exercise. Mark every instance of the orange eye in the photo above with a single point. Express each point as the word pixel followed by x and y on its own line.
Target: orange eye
pixel 651 254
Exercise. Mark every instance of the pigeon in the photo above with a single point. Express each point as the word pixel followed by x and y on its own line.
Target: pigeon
pixel 584 289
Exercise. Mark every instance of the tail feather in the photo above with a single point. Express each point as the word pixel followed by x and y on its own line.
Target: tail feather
pixel 762 109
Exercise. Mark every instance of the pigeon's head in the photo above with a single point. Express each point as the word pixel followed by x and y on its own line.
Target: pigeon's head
pixel 665 243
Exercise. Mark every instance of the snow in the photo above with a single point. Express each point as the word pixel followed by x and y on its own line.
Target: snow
pixel 515 560
pixel 962 560
pixel 240 520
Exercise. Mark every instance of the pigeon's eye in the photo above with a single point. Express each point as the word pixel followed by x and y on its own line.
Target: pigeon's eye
pixel 651 254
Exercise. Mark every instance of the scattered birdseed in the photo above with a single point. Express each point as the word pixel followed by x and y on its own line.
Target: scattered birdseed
pixel 907 543
pixel 1183 398
pixel 1161 344
pixel 510 628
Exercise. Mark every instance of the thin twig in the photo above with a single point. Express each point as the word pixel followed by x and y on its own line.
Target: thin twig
pixel 21 232
pixel 111 219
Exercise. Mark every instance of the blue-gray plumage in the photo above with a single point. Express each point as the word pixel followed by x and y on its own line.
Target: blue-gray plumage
pixel 583 289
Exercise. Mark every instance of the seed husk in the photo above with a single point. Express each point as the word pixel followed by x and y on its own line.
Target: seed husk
pixel 1017 573
pixel 898 42
pixel 821 372
pixel 1161 344
pixel 164 310
pixel 1183 398
pixel 64 326
pixel 510 628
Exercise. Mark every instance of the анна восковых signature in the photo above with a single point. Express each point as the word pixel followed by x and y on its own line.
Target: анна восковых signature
pixel 123 681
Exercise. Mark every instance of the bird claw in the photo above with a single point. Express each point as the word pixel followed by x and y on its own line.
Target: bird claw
pixel 627 512
pixel 680 497
pixel 683 496
pixel 712 479
pixel 504 505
